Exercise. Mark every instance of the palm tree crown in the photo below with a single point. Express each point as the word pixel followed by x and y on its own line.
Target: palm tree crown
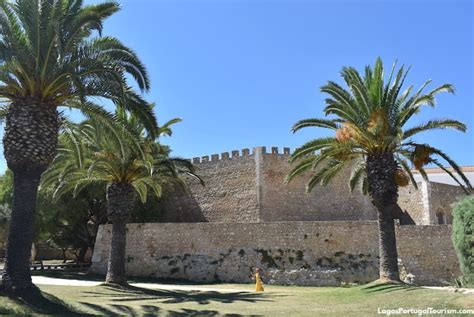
pixel 92 152
pixel 48 54
pixel 369 119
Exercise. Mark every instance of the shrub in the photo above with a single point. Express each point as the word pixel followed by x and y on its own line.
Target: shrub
pixel 463 237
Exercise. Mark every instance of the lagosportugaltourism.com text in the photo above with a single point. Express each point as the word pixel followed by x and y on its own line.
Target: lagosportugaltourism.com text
pixel 423 311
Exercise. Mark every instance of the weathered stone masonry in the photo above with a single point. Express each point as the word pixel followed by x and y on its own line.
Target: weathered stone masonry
pixel 297 252
pixel 248 186
pixel 229 194
pixel 246 216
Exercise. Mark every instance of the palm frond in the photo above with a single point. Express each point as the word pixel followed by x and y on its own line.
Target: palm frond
pixel 303 166
pixel 325 174
pixel 437 163
pixel 435 124
pixel 311 147
pixel 319 123
pixel 165 129
pixel 357 174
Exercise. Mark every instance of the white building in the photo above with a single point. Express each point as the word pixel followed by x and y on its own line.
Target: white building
pixel 437 175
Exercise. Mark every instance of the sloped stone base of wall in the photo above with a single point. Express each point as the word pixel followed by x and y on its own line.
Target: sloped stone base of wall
pixel 291 253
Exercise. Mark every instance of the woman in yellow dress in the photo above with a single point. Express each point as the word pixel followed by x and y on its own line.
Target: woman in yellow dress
pixel 258 280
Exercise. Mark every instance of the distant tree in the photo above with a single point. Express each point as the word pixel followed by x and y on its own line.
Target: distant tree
pixel 71 223
pixel 6 196
pixel 50 58
pixel 463 237
pixel 369 124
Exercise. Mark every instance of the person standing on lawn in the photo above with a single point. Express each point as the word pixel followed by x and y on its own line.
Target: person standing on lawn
pixel 257 276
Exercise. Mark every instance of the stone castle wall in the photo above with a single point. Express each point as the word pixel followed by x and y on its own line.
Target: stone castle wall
pixel 303 253
pixel 229 193
pixel 411 201
pixel 249 187
pixel 429 200
pixel 291 202
pixel 442 199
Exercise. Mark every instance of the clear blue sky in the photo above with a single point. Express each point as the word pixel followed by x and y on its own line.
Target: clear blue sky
pixel 240 73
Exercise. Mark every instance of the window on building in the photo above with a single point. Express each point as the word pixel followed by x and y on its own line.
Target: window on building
pixel 441 218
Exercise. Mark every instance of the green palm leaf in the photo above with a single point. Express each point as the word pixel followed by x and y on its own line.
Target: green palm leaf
pixel 435 124
pixel 320 123
pixel 368 116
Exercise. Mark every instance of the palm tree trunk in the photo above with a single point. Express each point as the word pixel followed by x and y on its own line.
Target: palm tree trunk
pixel 383 190
pixel 21 233
pixel 120 203
pixel 29 142
pixel 387 247
pixel 116 265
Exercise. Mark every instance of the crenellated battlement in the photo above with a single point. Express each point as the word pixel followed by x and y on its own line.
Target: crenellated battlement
pixel 235 154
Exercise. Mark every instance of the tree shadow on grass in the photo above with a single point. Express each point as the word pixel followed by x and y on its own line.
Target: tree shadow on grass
pixel 150 310
pixel 387 288
pixel 42 303
pixel 132 293
pixel 194 312
pixel 115 301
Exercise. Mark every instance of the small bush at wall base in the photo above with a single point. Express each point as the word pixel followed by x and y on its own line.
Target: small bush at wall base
pixel 463 282
pixel 463 238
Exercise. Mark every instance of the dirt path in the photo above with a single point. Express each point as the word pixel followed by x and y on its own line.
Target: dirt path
pixel 42 280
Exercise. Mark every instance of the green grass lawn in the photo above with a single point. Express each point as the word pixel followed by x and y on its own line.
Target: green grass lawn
pixel 275 301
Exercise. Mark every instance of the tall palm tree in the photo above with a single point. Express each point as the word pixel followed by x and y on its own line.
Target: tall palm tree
pixel 50 58
pixel 128 163
pixel 369 119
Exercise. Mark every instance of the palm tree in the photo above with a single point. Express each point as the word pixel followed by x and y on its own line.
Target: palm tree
pixel 128 163
pixel 369 121
pixel 50 58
